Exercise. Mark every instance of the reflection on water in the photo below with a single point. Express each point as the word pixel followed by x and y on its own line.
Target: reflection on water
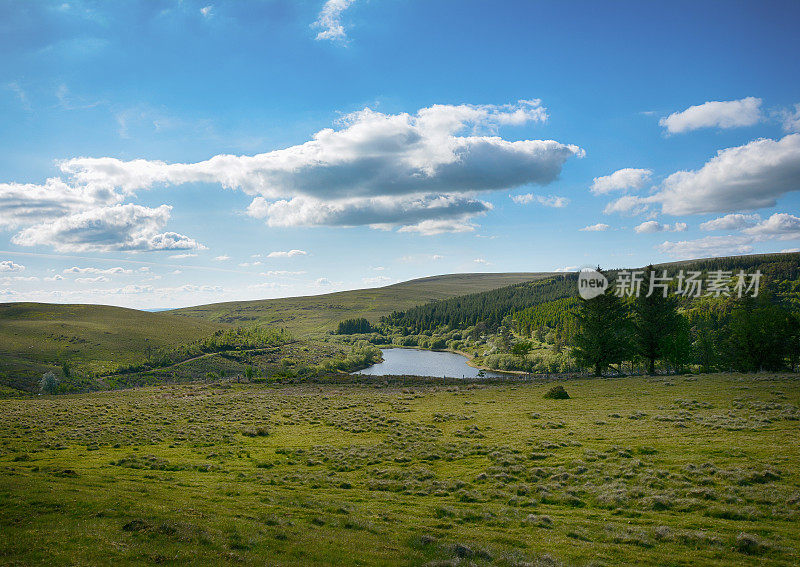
pixel 414 362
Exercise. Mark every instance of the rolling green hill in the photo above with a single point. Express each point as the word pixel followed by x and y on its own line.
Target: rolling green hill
pixel 317 314
pixel 36 337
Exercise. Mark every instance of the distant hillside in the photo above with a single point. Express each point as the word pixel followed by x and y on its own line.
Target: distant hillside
pixel 317 314
pixel 36 337
pixel 528 303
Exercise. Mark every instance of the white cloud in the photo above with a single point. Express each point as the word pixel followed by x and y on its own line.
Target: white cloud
pixel 379 212
pixel 222 258
pixel 9 266
pixel 790 250
pixel 376 169
pixel 323 282
pixel 481 261
pixel 733 221
pixel 791 119
pixel 747 177
pixel 781 226
pixel 752 176
pixel 21 95
pixel 377 280
pixel 599 227
pixel 622 179
pixel 287 253
pixel 715 114
pixel 648 227
pixel 329 20
pixel 97 279
pixel 433 227
pixel 207 11
pixel 708 246
pixel 27 203
pixel 120 227
pixel 567 269
pixel 282 273
pixel 549 201
pixel 104 271
pixel 183 256
pixel 55 278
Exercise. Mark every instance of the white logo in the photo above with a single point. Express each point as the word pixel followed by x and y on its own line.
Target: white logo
pixel 591 283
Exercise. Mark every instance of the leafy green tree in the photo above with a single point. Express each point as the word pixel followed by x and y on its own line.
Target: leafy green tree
pixel 65 369
pixel 249 373
pixel 604 332
pixel 521 348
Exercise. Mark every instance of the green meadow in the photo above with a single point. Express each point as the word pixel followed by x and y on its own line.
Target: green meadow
pixel 674 470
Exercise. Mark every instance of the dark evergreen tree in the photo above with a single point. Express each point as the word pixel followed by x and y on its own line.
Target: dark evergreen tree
pixel 604 332
pixel 354 326
pixel 655 318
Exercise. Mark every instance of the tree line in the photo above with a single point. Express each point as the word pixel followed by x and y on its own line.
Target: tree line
pixel 743 334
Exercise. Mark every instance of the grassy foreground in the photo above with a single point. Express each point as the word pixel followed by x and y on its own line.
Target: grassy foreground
pixel 645 471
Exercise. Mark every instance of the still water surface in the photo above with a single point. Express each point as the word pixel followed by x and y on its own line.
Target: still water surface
pixel 414 362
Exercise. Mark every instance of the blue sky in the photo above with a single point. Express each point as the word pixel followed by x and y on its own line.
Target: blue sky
pixel 161 154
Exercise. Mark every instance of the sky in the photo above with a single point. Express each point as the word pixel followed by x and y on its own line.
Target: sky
pixel 162 154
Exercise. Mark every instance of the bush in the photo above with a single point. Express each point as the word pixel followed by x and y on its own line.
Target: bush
pixel 557 393
pixel 48 383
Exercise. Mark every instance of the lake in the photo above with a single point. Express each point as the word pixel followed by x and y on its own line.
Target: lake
pixel 415 362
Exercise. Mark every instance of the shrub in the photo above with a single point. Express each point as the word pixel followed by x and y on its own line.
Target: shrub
pixel 48 383
pixel 750 544
pixel 557 393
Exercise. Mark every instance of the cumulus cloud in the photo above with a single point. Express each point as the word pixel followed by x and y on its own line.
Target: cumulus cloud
pixel 620 180
pixel 747 177
pixel 116 228
pixel 375 169
pixel 380 212
pixel 9 266
pixel 629 205
pixel 91 270
pixel 708 246
pixel 433 227
pixel 27 203
pixel 648 227
pixel 599 227
pixel 549 201
pixel 287 253
pixel 733 221
pixel 715 114
pixel 329 20
pixel 752 176
pixel 781 226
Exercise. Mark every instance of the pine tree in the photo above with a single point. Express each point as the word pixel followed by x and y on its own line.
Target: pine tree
pixel 604 334
pixel 655 319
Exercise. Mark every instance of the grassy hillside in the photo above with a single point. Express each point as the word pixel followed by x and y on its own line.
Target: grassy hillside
pixel 36 337
pixel 640 471
pixel 317 314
